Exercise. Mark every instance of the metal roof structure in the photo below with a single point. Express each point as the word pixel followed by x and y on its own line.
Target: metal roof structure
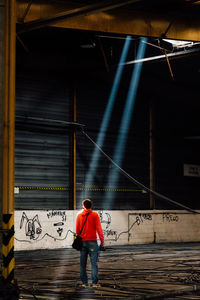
pixel 174 19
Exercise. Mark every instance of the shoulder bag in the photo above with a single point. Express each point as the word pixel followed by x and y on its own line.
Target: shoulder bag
pixel 78 243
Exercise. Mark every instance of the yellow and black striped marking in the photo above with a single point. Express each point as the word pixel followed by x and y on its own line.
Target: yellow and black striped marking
pixel 8 248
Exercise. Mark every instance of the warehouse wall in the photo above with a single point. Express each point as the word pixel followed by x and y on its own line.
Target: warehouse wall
pixel 52 229
pixel 46 76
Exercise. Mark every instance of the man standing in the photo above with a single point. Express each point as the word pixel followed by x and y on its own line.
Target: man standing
pixel 89 237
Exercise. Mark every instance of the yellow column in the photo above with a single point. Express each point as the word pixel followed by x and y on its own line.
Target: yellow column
pixel 8 138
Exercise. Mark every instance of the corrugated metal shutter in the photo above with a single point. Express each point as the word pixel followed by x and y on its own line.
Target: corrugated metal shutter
pixel 42 146
pixel 41 143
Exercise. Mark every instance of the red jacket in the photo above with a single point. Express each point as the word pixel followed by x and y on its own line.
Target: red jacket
pixel 91 227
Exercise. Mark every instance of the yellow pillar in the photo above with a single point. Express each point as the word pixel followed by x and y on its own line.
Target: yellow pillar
pixel 8 138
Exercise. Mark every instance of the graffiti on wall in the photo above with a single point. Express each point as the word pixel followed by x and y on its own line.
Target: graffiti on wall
pixel 105 218
pixel 109 234
pixel 140 218
pixel 167 217
pixel 56 224
pixel 32 226
pixel 113 235
pixel 147 218
pixel 53 225
pixel 59 225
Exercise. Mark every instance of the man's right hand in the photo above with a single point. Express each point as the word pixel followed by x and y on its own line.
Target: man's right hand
pixel 102 247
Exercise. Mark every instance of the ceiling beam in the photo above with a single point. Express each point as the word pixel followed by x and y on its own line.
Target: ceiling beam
pixel 77 12
pixel 106 19
pixel 138 23
pixel 26 11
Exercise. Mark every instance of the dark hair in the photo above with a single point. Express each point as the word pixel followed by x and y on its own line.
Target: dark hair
pixel 87 203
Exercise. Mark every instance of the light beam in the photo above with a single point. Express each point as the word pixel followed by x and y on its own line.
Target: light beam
pixel 107 115
pixel 125 123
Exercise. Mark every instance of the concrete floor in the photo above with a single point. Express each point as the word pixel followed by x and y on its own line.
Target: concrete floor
pixel 154 271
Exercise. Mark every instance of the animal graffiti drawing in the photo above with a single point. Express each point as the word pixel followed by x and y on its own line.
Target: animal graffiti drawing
pixel 33 228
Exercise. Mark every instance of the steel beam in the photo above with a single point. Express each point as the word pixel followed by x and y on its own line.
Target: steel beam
pixel 138 23
pixel 8 114
pixel 1 106
pixel 111 20
pixel 26 11
pixel 80 11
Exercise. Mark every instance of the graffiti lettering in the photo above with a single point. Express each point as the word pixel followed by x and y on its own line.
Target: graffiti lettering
pixel 55 213
pixel 170 217
pixel 142 217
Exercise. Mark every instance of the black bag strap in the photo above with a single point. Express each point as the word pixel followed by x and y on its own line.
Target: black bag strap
pixel 84 223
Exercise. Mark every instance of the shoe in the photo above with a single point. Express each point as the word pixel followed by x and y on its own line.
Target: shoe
pixel 96 285
pixel 84 285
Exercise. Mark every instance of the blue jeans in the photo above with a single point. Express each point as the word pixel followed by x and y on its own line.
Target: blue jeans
pixel 91 248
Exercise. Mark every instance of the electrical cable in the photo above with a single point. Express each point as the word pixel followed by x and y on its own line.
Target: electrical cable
pixel 50 121
pixel 136 182
pixel 82 126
